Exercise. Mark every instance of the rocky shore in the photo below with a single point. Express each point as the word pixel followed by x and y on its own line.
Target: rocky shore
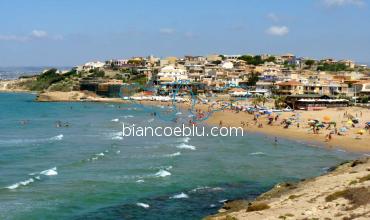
pixel 343 193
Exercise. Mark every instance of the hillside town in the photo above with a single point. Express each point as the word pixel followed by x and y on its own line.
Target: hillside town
pixel 265 75
pixel 300 83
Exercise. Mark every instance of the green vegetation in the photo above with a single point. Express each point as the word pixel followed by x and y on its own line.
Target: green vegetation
pixel 271 59
pixel 309 62
pixel 294 196
pixel 290 66
pixel 51 79
pixel 364 99
pixel 259 99
pixel 217 62
pixel 139 79
pixel 228 217
pixel 280 102
pixel 252 79
pixel 257 207
pixel 44 80
pixel 286 216
pixel 365 178
pixel 97 73
pixel 357 196
pixel 332 67
pixel 352 182
pixel 252 60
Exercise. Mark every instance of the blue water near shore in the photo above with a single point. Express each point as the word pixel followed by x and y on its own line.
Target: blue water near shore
pixel 88 171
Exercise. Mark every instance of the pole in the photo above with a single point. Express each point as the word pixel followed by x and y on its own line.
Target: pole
pixel 355 96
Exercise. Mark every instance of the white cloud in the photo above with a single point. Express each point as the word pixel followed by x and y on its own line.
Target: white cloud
pixel 189 34
pixel 338 3
pixel 273 17
pixel 13 38
pixel 167 31
pixel 39 34
pixel 35 34
pixel 278 30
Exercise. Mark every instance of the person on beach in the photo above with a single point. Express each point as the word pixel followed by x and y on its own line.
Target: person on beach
pixel 220 124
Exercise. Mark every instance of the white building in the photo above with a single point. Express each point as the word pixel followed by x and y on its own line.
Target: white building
pixel 93 65
pixel 227 65
pixel 171 74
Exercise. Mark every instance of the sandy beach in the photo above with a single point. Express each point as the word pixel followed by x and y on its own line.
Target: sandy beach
pixel 350 140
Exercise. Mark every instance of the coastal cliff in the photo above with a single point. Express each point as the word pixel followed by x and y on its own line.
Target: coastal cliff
pixel 343 193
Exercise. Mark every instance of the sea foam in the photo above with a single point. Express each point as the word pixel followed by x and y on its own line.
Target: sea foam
pixel 116 135
pixel 162 173
pixel 186 146
pixel 173 155
pixel 144 205
pixel 21 183
pixel 115 120
pixel 186 139
pixel 50 172
pixel 180 196
pixel 257 153
pixel 57 138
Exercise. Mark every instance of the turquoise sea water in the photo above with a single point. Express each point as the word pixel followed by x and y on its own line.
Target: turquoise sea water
pixel 88 171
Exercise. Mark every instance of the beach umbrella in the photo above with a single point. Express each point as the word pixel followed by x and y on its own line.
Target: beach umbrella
pixel 361 132
pixel 327 118
pixel 343 129
pixel 349 122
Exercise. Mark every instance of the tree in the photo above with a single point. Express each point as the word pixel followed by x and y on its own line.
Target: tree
pixel 332 67
pixel 98 73
pixel 271 59
pixel 280 102
pixel 309 62
pixel 262 99
pixel 253 60
pixel 252 79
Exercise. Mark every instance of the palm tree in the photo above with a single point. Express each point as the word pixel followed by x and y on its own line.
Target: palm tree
pixel 280 102
pixel 259 99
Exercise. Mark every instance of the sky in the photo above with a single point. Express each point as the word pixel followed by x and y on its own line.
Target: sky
pixel 72 32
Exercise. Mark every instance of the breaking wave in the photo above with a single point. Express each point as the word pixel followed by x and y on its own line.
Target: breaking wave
pixel 180 196
pixel 21 183
pixel 115 135
pixel 162 173
pixel 257 153
pixel 28 141
pixel 57 138
pixel 186 146
pixel 144 205
pixel 173 155
pixel 50 172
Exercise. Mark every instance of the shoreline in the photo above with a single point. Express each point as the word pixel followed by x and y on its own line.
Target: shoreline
pixel 351 142
pixel 342 192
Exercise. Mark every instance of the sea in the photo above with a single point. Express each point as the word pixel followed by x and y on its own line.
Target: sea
pixel 70 161
pixel 8 73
